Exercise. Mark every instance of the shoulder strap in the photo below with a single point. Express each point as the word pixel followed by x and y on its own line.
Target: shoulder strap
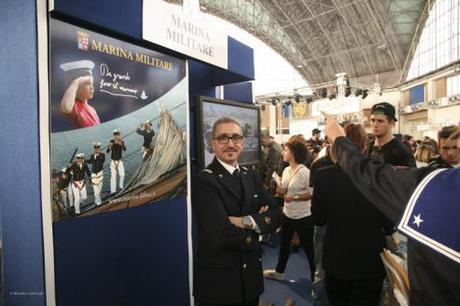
pixel 295 173
pixel 206 170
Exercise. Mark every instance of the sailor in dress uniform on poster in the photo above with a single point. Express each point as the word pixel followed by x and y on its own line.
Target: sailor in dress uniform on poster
pixel 78 170
pixel 97 160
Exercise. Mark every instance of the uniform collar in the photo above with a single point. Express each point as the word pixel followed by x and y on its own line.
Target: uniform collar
pixel 228 167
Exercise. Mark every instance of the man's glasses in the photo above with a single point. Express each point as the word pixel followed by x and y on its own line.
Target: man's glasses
pixel 224 139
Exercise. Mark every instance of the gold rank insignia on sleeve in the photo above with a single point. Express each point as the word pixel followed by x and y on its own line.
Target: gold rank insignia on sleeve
pixel 248 239
pixel 267 220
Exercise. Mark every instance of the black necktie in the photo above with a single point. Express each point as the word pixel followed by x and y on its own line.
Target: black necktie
pixel 236 174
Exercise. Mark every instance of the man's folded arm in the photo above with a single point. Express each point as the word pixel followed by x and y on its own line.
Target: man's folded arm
pixel 213 219
pixel 270 220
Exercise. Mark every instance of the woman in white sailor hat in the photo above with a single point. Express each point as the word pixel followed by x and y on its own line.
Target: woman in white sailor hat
pixel 74 102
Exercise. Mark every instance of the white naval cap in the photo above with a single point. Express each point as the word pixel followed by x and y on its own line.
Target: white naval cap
pixel 116 131
pixel 77 69
pixel 64 169
pixel 80 155
pixel 83 64
pixel 148 122
pixel 97 144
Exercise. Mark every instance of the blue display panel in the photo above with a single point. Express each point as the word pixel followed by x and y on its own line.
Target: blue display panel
pixel 417 94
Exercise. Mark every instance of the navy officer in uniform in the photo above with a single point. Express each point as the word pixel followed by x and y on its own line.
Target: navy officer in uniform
pixel 231 208
pixel 97 160
pixel 64 187
pixel 145 130
pixel 78 170
pixel 117 168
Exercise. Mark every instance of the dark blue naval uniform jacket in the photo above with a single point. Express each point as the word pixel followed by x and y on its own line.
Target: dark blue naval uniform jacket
pixel 228 261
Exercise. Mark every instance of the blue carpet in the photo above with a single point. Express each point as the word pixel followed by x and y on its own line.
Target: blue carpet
pixel 297 284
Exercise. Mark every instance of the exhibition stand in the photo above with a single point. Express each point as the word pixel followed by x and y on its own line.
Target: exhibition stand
pixel 135 256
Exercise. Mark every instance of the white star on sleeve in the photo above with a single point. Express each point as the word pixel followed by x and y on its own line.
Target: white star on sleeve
pixel 417 220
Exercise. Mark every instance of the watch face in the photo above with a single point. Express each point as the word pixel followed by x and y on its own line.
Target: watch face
pixel 246 221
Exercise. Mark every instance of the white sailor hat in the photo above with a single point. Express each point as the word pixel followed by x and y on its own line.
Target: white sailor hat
pixel 80 155
pixel 116 131
pixel 77 69
pixel 96 144
pixel 83 64
pixel 148 122
pixel 64 169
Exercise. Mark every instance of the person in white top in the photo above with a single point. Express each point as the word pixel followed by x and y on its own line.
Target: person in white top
pixel 296 190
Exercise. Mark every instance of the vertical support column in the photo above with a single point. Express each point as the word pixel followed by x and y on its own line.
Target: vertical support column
pixel 340 82
pixel 23 272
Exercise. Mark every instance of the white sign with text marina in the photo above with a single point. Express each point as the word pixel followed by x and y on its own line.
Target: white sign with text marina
pixel 169 26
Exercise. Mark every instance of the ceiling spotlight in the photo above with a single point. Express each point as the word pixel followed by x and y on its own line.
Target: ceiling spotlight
pixel 297 98
pixel 347 91
pixel 288 102
pixel 358 92
pixel 332 97
pixel 273 101
pixel 365 93
pixel 323 92
pixel 309 100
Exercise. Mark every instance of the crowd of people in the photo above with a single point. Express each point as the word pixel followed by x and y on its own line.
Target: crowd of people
pixel 342 196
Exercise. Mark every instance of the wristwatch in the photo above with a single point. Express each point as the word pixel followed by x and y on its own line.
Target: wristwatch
pixel 247 222
pixel 296 197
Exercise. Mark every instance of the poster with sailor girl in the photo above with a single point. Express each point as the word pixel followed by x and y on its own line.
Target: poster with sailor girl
pixel 117 122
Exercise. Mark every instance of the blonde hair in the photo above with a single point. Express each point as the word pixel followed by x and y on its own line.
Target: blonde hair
pixel 424 153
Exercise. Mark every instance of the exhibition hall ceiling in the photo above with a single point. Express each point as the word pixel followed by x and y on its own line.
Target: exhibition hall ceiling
pixel 372 40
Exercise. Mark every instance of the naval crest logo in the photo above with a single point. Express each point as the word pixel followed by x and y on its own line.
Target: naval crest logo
pixel 299 109
pixel 83 41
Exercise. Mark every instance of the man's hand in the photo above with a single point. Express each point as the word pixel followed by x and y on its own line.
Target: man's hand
pixel 288 198
pixel 237 221
pixel 333 128
pixel 263 209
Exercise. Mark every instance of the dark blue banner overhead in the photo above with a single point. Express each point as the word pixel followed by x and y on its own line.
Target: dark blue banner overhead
pixel 125 77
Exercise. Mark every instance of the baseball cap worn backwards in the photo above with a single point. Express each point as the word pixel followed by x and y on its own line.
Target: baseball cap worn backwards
pixel 384 108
